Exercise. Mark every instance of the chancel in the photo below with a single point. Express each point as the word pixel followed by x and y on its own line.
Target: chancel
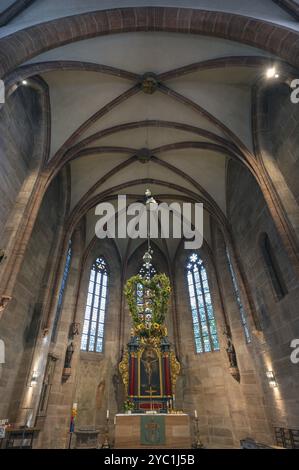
pixel 128 128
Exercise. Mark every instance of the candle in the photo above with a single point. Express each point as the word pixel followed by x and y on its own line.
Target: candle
pixel 107 414
pixel 114 420
pixel 195 414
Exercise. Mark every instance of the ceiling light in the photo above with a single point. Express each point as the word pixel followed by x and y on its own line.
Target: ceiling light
pixel 24 82
pixel 271 72
pixel 276 75
pixel 150 200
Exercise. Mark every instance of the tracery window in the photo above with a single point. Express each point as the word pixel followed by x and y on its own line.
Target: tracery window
pixel 238 298
pixel 148 274
pixel 204 323
pixel 62 290
pixel 95 310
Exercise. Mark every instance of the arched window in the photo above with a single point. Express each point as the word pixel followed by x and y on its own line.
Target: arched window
pixel 148 274
pixel 95 310
pixel 204 324
pixel 62 289
pixel 238 298
pixel 272 267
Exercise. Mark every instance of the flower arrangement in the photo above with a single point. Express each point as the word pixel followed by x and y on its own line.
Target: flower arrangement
pixel 128 406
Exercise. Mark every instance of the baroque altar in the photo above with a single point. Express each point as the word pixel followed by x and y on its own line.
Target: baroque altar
pixel 149 366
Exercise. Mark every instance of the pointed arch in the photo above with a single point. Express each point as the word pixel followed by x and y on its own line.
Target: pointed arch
pixel 92 339
pixel 204 323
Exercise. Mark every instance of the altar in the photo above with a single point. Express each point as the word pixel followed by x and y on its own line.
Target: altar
pixel 149 368
pixel 152 431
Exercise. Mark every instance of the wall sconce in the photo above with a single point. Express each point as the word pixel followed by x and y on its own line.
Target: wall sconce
pixel 34 378
pixel 271 378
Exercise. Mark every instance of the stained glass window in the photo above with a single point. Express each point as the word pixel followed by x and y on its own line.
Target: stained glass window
pixel 61 290
pixel 143 295
pixel 148 274
pixel 95 310
pixel 204 323
pixel 144 272
pixel 238 298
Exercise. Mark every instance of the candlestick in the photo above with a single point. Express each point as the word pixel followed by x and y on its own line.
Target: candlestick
pixel 197 444
pixel 106 443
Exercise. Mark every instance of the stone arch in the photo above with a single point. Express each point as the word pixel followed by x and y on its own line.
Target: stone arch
pixel 40 38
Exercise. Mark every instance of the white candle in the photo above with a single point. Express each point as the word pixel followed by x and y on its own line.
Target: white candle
pixel 114 420
pixel 107 414
pixel 195 414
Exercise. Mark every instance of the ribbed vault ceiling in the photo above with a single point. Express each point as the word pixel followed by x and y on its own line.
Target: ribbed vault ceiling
pixel 197 118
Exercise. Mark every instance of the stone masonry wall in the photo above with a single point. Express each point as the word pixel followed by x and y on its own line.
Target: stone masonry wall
pixel 249 218
pixel 206 384
pixel 283 116
pixel 18 120
pixel 21 320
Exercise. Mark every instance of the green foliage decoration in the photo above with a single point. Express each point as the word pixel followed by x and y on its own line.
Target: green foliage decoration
pixel 159 286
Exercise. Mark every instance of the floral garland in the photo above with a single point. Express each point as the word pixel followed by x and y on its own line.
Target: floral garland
pixel 159 285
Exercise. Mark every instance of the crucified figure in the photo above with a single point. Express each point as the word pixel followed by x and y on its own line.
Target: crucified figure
pixel 149 361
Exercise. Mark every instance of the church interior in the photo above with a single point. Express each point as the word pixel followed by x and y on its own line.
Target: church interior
pixel 123 342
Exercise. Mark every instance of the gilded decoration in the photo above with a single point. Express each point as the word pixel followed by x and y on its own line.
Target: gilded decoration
pixel 149 368
pixel 175 368
pixel 124 369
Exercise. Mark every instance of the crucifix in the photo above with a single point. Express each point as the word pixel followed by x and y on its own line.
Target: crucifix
pixel 151 391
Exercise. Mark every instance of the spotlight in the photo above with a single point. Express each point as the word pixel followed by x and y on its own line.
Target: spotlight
pixel 24 82
pixel 271 72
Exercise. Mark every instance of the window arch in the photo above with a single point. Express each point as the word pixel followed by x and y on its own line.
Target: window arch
pixel 204 323
pixel 95 310
pixel 238 297
pixel 66 270
pixel 272 267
